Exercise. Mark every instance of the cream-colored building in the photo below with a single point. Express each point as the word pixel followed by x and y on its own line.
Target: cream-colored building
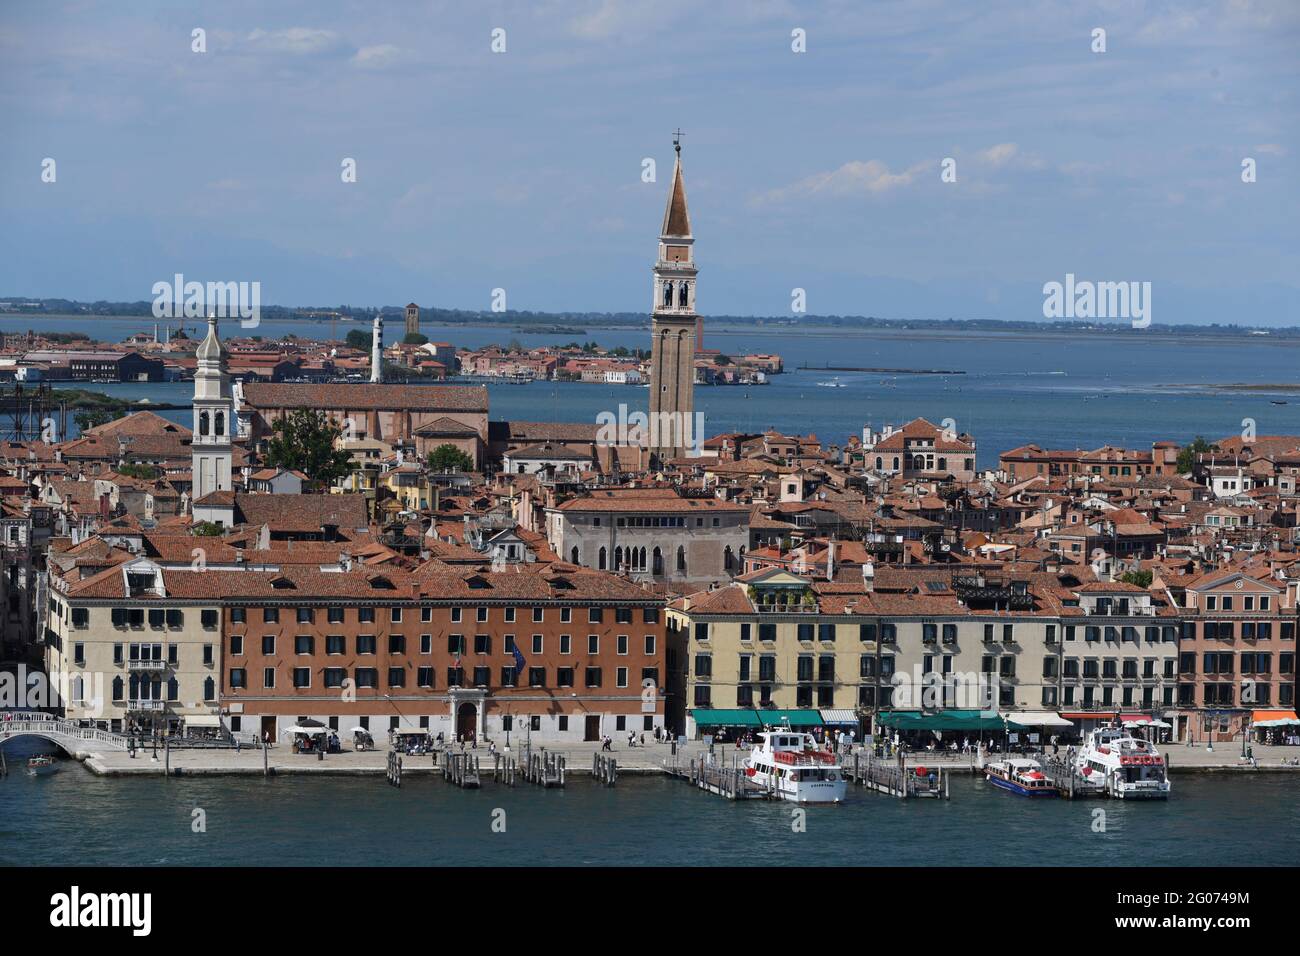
pixel 127 654
pixel 944 639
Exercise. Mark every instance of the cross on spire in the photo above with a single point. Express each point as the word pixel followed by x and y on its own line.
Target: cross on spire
pixel 677 141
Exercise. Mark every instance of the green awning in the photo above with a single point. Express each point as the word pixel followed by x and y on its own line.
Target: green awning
pixel 792 718
pixel 726 718
pixel 989 720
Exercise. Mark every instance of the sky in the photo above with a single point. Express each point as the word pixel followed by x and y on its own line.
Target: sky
pixel 523 170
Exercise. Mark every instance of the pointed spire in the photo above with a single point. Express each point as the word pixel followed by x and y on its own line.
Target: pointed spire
pixel 677 222
pixel 210 349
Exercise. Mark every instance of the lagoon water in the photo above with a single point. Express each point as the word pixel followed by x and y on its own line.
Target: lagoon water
pixel 1058 390
pixel 76 818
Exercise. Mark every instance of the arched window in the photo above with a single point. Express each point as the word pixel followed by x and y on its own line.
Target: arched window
pixel 681 559
pixel 601 565
pixel 728 559
pixel 618 558
pixel 880 463
pixel 203 423
pixel 117 688
pixel 918 462
pixel 573 556
pixel 658 562
pixel 943 464
pixel 220 421
pixel 668 294
pixel 173 689
pixel 681 294
pixel 209 689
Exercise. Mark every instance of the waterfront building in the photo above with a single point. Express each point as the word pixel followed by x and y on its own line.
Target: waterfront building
pixel 674 321
pixel 651 534
pixel 211 445
pixel 138 646
pixel 1237 649
pixel 925 639
pixel 558 654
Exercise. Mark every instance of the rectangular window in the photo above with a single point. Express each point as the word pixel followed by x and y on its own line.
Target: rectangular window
pixel 593 643
pixel 424 676
pixel 268 677
pixel 268 645
pixel 365 643
pixel 301 677
pixel 564 677
pixel 593 677
pixel 270 615
pixel 238 615
pixel 396 644
pixel 536 676
pixel 306 615
pixel 335 615
pixel 304 644
pixel 334 644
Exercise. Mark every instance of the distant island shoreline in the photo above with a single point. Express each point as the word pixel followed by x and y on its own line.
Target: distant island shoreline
pixel 17 308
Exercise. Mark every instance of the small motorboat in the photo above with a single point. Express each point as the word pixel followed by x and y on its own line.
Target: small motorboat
pixel 1024 777
pixel 42 765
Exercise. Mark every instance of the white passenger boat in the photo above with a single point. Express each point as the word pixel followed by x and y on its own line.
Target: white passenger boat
pixel 1022 776
pixel 1116 762
pixel 41 766
pixel 794 768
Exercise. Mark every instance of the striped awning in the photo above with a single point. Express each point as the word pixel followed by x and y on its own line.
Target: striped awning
pixel 842 718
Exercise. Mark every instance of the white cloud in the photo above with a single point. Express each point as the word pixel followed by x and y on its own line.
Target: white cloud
pixel 855 178
pixel 378 57
pixel 998 155
pixel 298 41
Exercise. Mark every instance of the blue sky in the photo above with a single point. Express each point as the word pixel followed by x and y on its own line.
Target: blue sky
pixel 522 170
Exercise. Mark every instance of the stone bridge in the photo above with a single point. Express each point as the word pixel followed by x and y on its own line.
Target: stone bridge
pixel 66 734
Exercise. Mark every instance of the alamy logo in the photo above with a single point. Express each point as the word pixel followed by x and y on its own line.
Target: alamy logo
pixel 651 430
pixel 195 300
pixel 74 909
pixel 1098 300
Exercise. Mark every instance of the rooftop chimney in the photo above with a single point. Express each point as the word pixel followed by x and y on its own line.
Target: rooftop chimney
pixel 869 576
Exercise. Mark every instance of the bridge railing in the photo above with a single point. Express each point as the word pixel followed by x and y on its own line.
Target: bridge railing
pixel 61 728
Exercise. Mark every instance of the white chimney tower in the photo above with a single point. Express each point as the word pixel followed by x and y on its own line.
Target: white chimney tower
pixel 377 350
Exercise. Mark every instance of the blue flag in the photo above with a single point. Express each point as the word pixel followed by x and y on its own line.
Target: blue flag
pixel 519 660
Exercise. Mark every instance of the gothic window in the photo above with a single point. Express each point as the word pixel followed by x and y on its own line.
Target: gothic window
pixel 601 565
pixel 618 559
pixel 658 561
pixel 220 421
pixel 681 559
pixel 573 556
pixel 203 423
pixel 681 294
pixel 668 294
pixel 728 559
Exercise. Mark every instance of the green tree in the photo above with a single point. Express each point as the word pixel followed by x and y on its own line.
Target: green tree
pixel 449 458
pixel 304 441
pixel 92 418
pixel 208 529
pixel 1140 578
pixel 415 338
pixel 141 471
pixel 1187 456
pixel 358 339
